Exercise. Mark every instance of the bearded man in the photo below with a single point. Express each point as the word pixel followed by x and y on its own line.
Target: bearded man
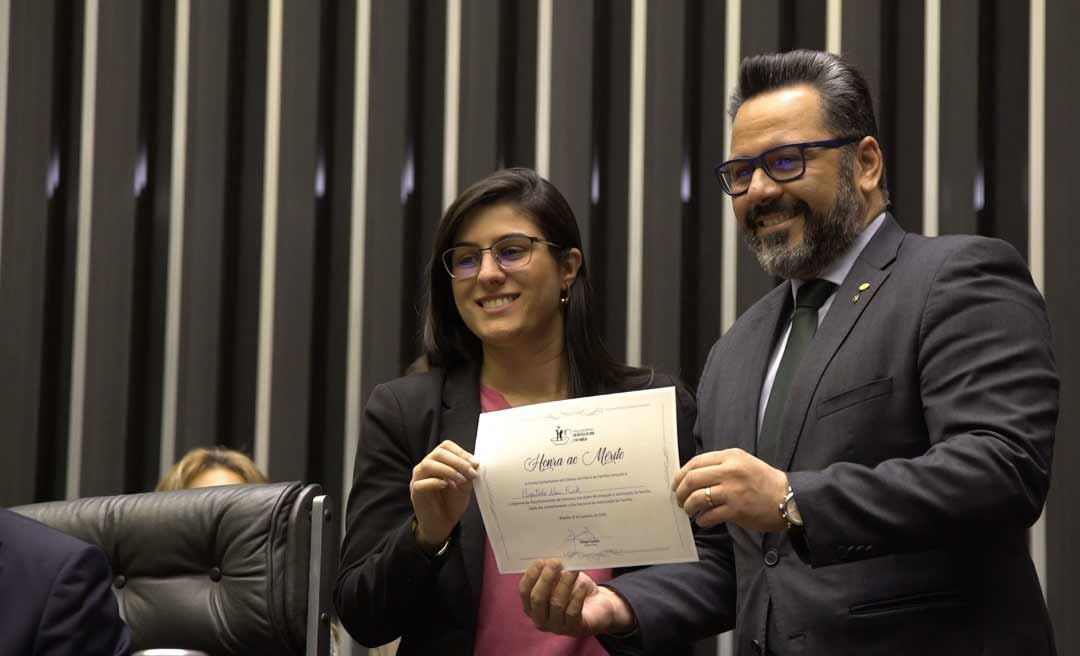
pixel 878 429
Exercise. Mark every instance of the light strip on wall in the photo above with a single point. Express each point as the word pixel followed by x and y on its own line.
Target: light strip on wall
pixel 636 212
pixel 271 165
pixel 451 98
pixel 82 252
pixel 353 374
pixel 834 21
pixel 725 643
pixel 5 62
pixel 177 189
pixel 545 18
pixel 931 116
pixel 1037 208
pixel 729 247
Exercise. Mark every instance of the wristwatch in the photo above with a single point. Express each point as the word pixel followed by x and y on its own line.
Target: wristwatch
pixel 790 511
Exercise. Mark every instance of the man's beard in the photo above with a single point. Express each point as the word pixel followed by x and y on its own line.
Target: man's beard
pixel 824 237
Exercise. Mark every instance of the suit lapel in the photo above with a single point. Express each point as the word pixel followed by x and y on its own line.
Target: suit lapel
pixel 461 396
pixel 872 269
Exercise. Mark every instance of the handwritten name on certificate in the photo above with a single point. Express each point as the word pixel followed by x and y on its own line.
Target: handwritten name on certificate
pixel 584 480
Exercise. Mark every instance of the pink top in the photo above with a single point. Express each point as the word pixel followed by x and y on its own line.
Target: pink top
pixel 502 627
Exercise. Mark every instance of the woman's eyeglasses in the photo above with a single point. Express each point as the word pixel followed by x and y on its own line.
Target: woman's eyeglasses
pixel 509 252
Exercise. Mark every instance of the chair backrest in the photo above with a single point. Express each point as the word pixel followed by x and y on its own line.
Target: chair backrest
pixel 238 569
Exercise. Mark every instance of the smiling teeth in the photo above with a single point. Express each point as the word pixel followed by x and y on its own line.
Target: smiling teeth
pixel 768 223
pixel 496 302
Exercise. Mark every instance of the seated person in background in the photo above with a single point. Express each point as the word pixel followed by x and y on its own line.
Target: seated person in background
pixel 206 467
pixel 56 594
pixel 507 323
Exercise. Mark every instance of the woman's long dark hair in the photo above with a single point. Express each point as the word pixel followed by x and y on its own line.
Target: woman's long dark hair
pixel 449 343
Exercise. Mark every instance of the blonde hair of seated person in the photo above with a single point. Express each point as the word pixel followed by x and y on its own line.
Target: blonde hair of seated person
pixel 205 467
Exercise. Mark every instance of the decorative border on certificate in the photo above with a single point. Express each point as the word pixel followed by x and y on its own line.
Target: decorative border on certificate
pixel 584 480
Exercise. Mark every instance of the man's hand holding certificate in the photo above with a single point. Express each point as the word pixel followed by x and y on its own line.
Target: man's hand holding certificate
pixel 587 481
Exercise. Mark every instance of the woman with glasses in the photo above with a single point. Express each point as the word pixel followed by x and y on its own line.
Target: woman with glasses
pixel 506 323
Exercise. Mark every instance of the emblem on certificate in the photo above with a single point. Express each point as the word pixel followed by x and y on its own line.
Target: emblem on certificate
pixel 587 481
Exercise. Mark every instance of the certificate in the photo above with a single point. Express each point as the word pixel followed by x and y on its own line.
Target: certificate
pixel 587 481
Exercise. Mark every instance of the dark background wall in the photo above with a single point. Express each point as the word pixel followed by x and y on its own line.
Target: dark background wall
pixel 216 214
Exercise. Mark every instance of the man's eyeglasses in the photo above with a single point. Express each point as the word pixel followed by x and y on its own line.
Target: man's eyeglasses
pixel 509 253
pixel 782 164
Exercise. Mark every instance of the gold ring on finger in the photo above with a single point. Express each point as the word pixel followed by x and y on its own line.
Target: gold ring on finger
pixel 708 497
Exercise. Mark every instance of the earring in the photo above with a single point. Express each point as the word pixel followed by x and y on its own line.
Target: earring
pixel 564 297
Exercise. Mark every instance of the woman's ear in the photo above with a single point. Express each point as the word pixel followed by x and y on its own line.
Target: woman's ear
pixel 570 263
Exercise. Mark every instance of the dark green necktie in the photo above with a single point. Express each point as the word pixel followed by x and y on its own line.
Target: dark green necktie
pixel 804 321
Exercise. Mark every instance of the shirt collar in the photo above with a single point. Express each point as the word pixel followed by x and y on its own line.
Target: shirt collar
pixel 838 270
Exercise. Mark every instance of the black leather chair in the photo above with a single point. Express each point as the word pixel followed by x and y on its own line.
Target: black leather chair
pixel 238 569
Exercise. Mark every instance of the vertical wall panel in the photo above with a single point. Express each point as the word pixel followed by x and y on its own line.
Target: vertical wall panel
pixel 428 150
pixel 294 263
pixel 636 178
pixel 959 117
pixel 357 235
pixel 611 164
pixel 244 211
pixel 901 117
pixel 422 176
pixel 665 166
pixel 201 346
pixel 861 44
pixel 23 240
pixel 1003 106
pixel 571 127
pixel 330 363
pixel 478 133
pixel 103 314
pixel 384 342
pixel 152 242
pixel 803 25
pixel 1062 288
pixel 760 33
pixel 702 244
pixel 516 114
pixel 62 186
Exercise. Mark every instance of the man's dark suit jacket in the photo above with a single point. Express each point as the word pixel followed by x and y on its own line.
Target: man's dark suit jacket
pixel 918 435
pixel 387 587
pixel 56 594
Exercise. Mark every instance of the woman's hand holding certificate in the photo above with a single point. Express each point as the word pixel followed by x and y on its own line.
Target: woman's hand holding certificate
pixel 440 489
pixel 587 481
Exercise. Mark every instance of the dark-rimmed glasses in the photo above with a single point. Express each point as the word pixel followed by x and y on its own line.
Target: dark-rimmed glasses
pixel 782 164
pixel 511 252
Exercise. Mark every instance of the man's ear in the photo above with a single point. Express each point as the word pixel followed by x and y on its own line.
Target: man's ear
pixel 869 165
pixel 571 262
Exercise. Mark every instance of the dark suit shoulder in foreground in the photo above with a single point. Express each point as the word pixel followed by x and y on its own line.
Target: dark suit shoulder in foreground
pixel 55 594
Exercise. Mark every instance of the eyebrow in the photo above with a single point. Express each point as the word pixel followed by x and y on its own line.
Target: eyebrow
pixel 497 239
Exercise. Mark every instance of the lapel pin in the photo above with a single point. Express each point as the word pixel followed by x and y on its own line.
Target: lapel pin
pixel 855 298
pixel 863 287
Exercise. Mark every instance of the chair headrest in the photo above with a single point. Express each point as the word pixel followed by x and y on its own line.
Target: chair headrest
pixel 221 569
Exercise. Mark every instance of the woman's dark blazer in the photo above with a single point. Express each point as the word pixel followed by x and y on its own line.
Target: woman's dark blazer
pixel 387 587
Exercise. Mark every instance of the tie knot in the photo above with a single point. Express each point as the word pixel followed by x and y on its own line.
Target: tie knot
pixel 813 294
